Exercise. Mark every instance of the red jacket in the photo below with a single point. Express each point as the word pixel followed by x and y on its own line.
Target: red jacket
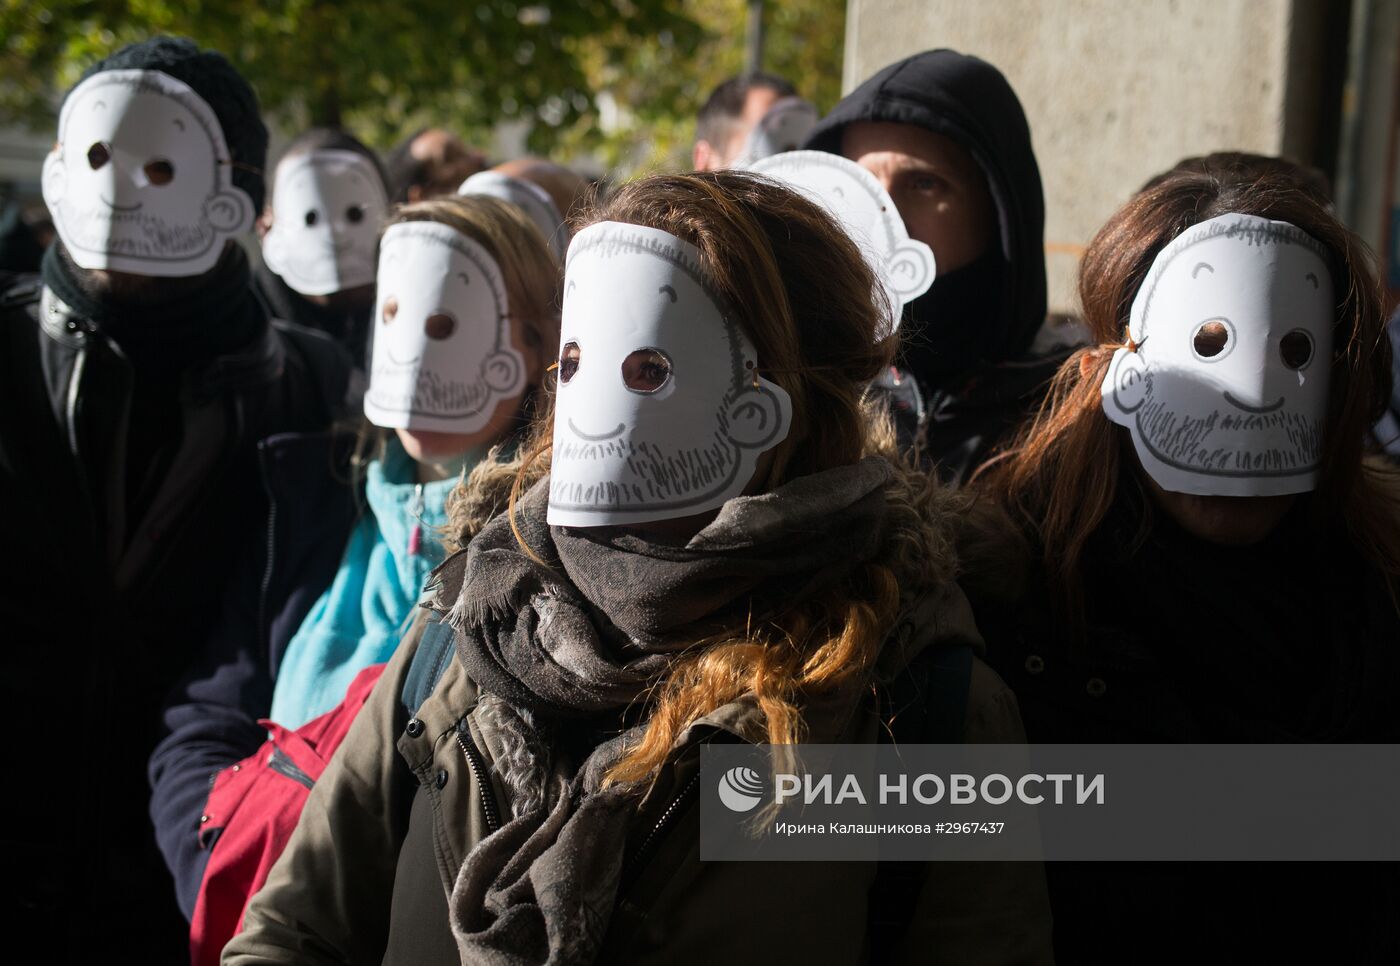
pixel 252 810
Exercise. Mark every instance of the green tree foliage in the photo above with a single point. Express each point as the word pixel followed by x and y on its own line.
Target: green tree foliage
pixel 379 68
pixel 646 97
pixel 618 80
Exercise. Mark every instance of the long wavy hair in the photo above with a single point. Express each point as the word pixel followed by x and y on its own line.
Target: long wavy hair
pixel 1059 477
pixel 803 294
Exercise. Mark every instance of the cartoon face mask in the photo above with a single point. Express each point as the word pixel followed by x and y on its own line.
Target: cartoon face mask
pixel 140 179
pixel 443 358
pixel 529 197
pixel 864 207
pixel 659 412
pixel 1227 392
pixel 326 209
pixel 783 127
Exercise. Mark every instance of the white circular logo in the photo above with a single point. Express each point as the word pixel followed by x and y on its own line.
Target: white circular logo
pixel 740 789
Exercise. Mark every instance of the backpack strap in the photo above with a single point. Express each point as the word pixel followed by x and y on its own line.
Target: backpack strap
pixel 430 661
pixel 926 705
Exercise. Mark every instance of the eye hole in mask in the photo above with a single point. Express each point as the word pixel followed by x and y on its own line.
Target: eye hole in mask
pixel 311 218
pixel 391 309
pixel 159 171
pixel 568 361
pixel 646 370
pixel 1296 349
pixel 98 155
pixel 1212 339
pixel 440 326
pixel 355 214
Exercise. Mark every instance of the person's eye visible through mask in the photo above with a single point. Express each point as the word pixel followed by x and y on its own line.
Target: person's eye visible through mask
pixel 646 370
pixel 568 362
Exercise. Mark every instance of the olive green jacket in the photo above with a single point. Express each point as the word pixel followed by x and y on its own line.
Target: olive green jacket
pixel 340 892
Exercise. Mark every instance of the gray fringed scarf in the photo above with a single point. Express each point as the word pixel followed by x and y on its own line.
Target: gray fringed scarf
pixel 590 631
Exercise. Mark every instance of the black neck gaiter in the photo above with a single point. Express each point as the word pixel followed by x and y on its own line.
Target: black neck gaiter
pixel 165 326
pixel 952 329
pixel 348 326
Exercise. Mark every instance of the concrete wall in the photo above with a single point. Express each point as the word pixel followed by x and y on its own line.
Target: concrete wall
pixel 1116 92
pixel 1368 184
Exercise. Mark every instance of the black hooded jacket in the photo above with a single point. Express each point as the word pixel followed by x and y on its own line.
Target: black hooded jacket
pixel 349 327
pixel 969 101
pixel 130 469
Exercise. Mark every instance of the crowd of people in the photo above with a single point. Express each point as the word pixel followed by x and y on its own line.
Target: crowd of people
pixel 402 528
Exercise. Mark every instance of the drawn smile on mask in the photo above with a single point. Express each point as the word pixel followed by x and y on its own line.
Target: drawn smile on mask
pixel 647 349
pixel 140 180
pixel 327 206
pixel 443 358
pixel 1252 409
pixel 1229 406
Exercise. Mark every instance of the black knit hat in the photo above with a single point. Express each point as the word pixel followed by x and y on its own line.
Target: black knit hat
pixel 214 79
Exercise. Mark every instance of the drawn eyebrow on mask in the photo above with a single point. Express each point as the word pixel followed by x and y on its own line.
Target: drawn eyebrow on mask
pixel 570 287
pixel 1200 265
pixel 464 278
pixel 1312 278
pixel 178 123
pixel 669 291
pixel 101 104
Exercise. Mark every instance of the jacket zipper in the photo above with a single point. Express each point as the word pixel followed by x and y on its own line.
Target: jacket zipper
pixel 271 544
pixel 483 780
pixel 415 536
pixel 667 816
pixel 283 765
pixel 75 378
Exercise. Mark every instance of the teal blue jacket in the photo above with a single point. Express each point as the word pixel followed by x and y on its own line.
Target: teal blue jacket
pixel 361 617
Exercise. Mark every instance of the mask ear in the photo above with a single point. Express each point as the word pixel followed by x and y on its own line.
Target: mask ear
pixel 503 372
pixel 230 212
pixel 912 270
pixel 274 246
pixel 1125 384
pixel 55 178
pixel 758 418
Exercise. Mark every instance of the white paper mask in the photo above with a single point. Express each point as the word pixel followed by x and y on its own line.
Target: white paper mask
pixel 326 210
pixel 858 200
pixel 442 358
pixel 529 197
pixel 658 413
pixel 140 180
pixel 783 128
pixel 1227 392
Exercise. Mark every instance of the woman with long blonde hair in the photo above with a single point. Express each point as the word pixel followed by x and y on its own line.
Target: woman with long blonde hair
pixel 333 602
pixel 710 539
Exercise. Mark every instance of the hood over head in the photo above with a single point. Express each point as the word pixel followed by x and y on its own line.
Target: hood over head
pixel 968 100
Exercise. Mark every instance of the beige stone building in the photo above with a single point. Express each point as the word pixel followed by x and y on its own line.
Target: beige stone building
pixel 1118 90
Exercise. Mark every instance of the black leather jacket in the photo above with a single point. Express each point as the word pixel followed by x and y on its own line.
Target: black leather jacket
pixel 107 598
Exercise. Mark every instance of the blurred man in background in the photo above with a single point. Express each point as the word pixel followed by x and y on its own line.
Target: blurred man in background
pixel 730 113
pixel 430 163
pixel 548 193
